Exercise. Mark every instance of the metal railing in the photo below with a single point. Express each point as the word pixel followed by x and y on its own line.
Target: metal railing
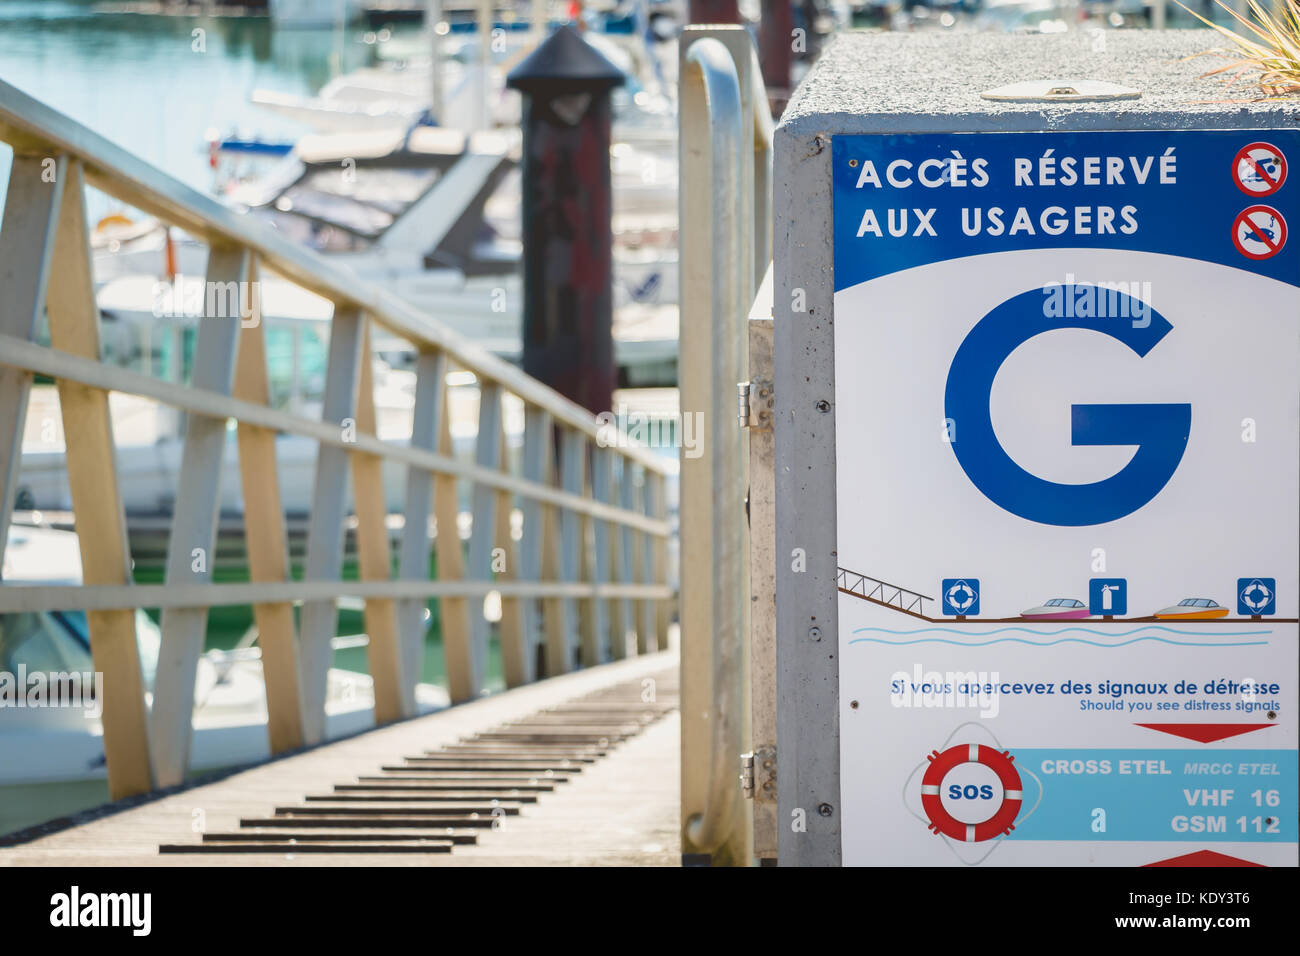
pixel 562 585
pixel 726 230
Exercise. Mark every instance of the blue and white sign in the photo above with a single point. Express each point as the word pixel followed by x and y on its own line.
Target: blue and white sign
pixel 1088 347
pixel 1108 596
pixel 961 596
pixel 1256 596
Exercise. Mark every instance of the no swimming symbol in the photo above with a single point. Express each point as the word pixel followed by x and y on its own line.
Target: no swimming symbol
pixel 1259 169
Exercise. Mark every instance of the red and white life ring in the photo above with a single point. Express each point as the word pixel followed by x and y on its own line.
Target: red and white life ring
pixel 941 821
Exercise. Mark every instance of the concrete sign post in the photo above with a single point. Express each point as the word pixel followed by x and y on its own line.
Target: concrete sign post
pixel 1037 443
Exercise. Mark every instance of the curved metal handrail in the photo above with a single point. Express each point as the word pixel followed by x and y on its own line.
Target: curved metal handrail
pixel 716 262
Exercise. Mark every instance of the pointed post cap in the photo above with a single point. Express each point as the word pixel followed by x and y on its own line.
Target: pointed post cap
pixel 565 63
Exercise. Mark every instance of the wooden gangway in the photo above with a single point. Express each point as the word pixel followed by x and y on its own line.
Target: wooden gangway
pixel 576 770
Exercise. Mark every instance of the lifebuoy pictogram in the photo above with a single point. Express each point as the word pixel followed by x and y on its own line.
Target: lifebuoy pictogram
pixel 941 821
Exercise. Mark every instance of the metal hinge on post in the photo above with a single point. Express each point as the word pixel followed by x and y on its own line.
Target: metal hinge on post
pixel 758 775
pixel 754 403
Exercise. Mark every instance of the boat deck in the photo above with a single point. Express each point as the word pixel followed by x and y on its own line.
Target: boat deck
pixel 579 770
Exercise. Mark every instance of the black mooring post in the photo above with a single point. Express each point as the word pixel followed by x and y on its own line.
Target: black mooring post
pixel 713 11
pixel 568 339
pixel 775 43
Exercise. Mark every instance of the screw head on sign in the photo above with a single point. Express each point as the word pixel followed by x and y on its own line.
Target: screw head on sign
pixel 823 405
pixel 825 809
pixel 815 633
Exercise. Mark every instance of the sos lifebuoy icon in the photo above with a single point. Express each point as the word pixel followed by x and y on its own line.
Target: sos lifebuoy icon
pixel 971 793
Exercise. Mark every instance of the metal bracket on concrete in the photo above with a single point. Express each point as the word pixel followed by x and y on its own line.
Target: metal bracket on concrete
pixel 1057 91
pixel 754 401
pixel 758 775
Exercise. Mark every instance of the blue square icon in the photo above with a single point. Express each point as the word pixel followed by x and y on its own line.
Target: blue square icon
pixel 1256 596
pixel 1108 597
pixel 960 596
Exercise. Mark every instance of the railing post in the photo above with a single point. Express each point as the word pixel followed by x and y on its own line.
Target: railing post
pixel 453 611
pixel 426 422
pixel 601 616
pixel 561 646
pixel 384 652
pixel 266 541
pixel 514 642
pixel 191 549
pixel 537 556
pixel 326 532
pixel 624 565
pixel 26 247
pixel 482 540
pixel 96 499
pixel 657 560
pixel 643 563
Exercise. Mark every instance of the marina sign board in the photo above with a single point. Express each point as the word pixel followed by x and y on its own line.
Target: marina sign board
pixel 1067 496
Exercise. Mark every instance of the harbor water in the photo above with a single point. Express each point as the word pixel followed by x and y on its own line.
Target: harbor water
pixel 184 74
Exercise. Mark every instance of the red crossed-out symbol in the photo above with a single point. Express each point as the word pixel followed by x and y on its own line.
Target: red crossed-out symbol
pixel 1259 232
pixel 1259 169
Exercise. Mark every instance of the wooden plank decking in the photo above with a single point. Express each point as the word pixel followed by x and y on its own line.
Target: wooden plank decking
pixel 618 804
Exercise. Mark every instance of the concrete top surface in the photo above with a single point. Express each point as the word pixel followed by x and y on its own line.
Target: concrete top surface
pixel 918 82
